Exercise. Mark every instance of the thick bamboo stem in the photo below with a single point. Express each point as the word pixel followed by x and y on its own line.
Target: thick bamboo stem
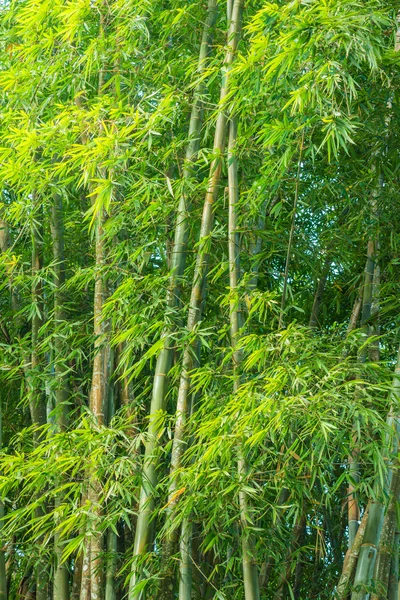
pixel 369 548
pixel 367 296
pixel 97 403
pixel 393 588
pixel 386 541
pixel 351 558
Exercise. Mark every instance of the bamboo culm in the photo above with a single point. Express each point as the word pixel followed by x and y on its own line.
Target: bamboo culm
pixel 164 360
pixel 61 575
pixel 201 267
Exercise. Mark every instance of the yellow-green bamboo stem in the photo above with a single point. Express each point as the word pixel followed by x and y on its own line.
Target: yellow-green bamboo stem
pixel 164 360
pixel 61 575
pixel 393 588
pixel 36 397
pixel 111 561
pixel 250 571
pixel 386 542
pixel 369 548
pixel 351 558
pixel 200 275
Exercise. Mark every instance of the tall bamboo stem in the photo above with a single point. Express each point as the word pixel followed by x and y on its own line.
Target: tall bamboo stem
pixel 61 575
pixel 352 503
pixel 250 572
pixel 164 360
pixel 36 397
pixel 200 277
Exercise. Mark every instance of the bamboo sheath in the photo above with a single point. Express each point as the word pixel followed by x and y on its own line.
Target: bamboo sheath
pixel 164 360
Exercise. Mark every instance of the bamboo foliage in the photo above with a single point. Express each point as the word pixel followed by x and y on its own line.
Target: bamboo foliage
pixel 197 390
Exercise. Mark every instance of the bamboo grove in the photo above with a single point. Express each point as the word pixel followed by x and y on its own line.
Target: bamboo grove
pixel 199 314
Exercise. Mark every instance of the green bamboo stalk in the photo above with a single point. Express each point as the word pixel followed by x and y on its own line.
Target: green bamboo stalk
pixel 250 571
pixel 61 575
pixel 369 548
pixel 37 403
pixel 97 403
pixel 367 298
pixel 351 558
pixel 185 564
pixel 197 293
pixel 111 562
pixel 386 542
pixel 178 263
pixel 393 588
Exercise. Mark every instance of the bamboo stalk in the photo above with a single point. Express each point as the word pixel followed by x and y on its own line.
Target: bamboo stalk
pixel 164 359
pixel 61 575
pixel 369 548
pixel 386 542
pixel 97 403
pixel 353 507
pixel 351 558
pixel 393 588
pixel 37 403
pixel 111 559
pixel 250 572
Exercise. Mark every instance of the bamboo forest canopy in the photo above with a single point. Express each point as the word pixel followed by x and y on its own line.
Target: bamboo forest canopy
pixel 199 301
